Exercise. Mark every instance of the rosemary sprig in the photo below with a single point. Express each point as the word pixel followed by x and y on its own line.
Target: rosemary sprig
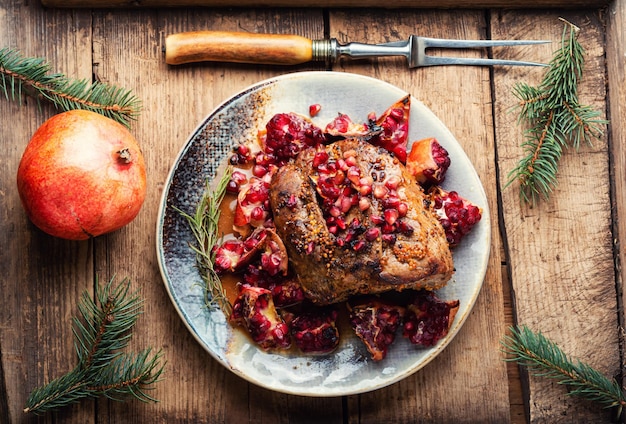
pixel 546 359
pixel 204 226
pixel 555 119
pixel 102 370
pixel 25 75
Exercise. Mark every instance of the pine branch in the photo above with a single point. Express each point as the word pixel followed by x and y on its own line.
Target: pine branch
pixel 554 118
pixel 544 358
pixel 102 370
pixel 204 224
pixel 20 75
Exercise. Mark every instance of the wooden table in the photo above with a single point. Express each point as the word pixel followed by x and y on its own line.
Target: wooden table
pixel 556 267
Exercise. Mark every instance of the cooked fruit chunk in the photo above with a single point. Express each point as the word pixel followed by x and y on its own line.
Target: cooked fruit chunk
pixel 428 319
pixel 254 310
pixel 315 330
pixel 428 162
pixel 456 214
pixel 391 129
pixel 375 322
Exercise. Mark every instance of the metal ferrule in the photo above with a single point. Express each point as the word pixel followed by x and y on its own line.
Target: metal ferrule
pixel 325 51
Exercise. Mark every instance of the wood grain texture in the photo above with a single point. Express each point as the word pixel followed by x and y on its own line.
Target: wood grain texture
pixel 560 252
pixel 327 3
pixel 461 97
pixel 616 74
pixel 176 100
pixel 42 277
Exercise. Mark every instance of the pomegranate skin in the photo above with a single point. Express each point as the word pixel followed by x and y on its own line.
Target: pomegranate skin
pixel 82 175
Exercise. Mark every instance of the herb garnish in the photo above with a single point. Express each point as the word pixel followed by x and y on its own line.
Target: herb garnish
pixel 204 226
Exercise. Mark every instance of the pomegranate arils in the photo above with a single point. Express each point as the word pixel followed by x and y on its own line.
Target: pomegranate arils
pixel 394 124
pixel 315 330
pixel 286 291
pixel 375 322
pixel 288 133
pixel 254 309
pixel 428 319
pixel 314 109
pixel 456 214
pixel 428 161
pixel 320 158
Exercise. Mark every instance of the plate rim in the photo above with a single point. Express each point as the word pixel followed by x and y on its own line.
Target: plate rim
pixel 162 211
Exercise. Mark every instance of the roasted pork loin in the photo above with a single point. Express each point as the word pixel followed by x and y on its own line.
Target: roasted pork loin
pixel 354 221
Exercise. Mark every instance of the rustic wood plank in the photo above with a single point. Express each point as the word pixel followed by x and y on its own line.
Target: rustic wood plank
pixel 176 99
pixel 560 252
pixel 327 3
pixel 461 97
pixel 42 277
pixel 616 74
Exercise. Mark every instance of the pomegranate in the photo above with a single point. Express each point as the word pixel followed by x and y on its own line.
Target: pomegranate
pixel 315 330
pixel 456 214
pixel 375 322
pixel 81 175
pixel 254 309
pixel 428 161
pixel 428 319
pixel 391 129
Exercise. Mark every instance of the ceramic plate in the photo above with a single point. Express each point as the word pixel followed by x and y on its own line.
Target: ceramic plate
pixel 348 370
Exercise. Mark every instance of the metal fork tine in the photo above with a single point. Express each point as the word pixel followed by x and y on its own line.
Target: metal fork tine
pixel 419 57
pixel 464 44
pixel 442 60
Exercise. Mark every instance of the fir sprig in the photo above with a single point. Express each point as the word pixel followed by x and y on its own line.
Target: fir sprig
pixel 555 119
pixel 544 358
pixel 21 75
pixel 103 330
pixel 204 224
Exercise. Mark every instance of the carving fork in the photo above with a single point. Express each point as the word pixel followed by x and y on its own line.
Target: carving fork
pixel 274 49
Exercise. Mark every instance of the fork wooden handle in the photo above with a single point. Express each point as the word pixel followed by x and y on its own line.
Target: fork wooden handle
pixel 241 47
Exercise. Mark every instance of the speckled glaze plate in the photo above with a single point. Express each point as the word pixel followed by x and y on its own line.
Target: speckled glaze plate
pixel 348 370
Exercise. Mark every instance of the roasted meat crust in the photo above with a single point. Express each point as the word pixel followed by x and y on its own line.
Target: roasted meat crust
pixel 330 273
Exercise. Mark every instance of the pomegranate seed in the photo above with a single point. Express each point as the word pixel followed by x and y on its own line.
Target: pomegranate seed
pixel 389 238
pixel 341 223
pixel 364 203
pixel 257 213
pixel 334 211
pixel 380 191
pixel 391 216
pixel 259 171
pixel 403 208
pixel 365 190
pixel 350 160
pixel 372 234
pixel 377 219
pixel 310 247
pixel 354 174
pixel 341 164
pixel 320 158
pixel 359 245
pixel 232 187
pixel 314 109
pixel 393 182
pixel 346 204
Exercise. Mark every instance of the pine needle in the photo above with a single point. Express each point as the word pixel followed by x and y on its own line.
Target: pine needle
pixel 21 75
pixel 545 359
pixel 554 118
pixel 204 224
pixel 103 369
